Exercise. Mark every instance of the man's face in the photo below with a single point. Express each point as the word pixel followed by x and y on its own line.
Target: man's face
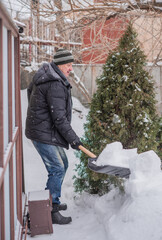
pixel 66 68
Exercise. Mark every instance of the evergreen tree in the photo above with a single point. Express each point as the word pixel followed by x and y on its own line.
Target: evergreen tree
pixel 122 109
pixel 159 139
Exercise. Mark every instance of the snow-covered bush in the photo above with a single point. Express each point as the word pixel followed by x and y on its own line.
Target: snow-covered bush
pixel 122 109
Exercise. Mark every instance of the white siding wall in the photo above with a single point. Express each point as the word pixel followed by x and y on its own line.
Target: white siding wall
pixel 13 127
pixel 5 87
pixel 7 204
pixel 13 85
pixel 14 182
pixel 6 131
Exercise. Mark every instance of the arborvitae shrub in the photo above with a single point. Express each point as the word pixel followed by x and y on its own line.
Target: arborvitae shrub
pixel 122 109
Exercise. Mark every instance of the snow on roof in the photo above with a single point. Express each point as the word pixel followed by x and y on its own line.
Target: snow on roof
pixel 34 39
pixel 19 23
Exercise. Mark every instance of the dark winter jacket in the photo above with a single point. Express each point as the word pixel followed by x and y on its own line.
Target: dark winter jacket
pixel 50 107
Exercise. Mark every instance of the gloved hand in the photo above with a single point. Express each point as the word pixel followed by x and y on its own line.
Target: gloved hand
pixel 75 145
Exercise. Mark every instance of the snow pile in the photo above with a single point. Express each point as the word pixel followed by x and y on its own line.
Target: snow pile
pixel 138 213
pixel 114 154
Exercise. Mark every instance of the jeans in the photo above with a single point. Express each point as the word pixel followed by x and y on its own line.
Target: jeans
pixel 56 163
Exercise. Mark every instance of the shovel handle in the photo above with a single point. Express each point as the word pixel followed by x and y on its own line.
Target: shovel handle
pixel 86 151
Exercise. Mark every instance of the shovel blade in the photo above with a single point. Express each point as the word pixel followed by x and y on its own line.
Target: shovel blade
pixel 121 172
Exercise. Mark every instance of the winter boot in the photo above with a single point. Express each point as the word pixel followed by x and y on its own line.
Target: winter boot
pixel 57 218
pixel 58 207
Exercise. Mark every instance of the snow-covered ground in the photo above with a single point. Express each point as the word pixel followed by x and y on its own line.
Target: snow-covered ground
pixel 135 214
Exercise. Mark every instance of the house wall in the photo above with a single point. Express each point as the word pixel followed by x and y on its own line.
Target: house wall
pixel 10 130
pixel 88 74
pixel 149 33
pixel 156 73
pixel 41 39
pixel 100 37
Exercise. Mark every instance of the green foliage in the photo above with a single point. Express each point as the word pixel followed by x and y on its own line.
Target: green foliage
pixel 159 139
pixel 122 109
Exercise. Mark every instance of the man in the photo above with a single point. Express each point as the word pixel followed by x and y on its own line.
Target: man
pixel 48 123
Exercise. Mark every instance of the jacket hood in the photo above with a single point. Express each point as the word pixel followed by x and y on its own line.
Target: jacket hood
pixel 49 72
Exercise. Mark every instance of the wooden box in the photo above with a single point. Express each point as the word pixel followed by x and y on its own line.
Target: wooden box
pixel 39 203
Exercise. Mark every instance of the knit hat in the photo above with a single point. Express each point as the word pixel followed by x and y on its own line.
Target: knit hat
pixel 63 56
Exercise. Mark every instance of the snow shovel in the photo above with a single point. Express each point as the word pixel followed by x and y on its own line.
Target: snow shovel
pixel 121 172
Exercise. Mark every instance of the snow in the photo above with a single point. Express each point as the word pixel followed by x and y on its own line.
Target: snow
pixel 36 39
pixel 38 195
pixel 139 217
pixel 114 155
pixel 7 151
pixel 133 214
pixel 19 23
pixel 125 77
pixel 18 230
pixel 33 67
pixel 116 119
pixel 146 118
pixel 137 87
pixel 1 170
